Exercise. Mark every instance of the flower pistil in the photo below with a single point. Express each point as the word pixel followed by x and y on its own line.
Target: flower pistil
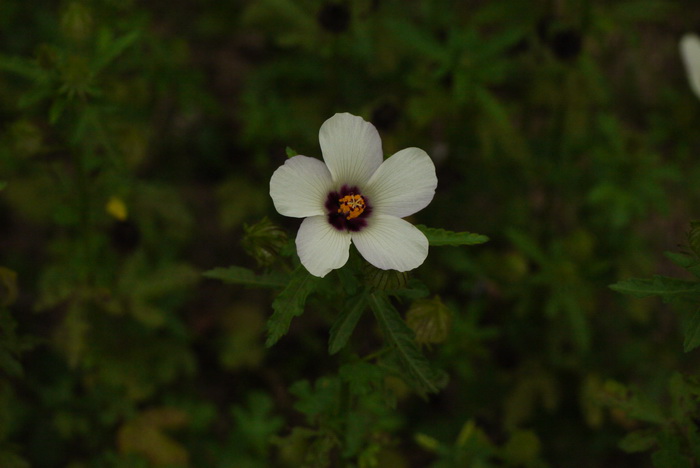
pixel 347 209
pixel 351 206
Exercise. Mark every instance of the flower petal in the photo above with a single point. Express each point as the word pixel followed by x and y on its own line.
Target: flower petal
pixel 690 53
pixel 300 186
pixel 390 243
pixel 351 148
pixel 321 247
pixel 404 184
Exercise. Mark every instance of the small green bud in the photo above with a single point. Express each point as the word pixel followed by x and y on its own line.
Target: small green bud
pixel 76 76
pixel 384 280
pixel 430 319
pixel 76 21
pixel 263 241
pixel 8 287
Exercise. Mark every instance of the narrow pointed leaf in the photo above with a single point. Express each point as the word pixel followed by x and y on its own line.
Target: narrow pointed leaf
pixel 438 237
pixel 246 277
pixel 114 49
pixel 21 66
pixel 667 288
pixel 345 324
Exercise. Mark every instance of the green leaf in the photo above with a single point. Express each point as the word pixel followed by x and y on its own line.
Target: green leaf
pixel 686 262
pixel 638 441
pixel 694 237
pixel 289 304
pixel 690 323
pixel 257 422
pixel 416 369
pixel 244 276
pixel 290 152
pixel 21 66
pixel 345 324
pixel 3 185
pixel 437 237
pixel 667 288
pixel 362 377
pixel 430 319
pixel 111 49
pixel 669 453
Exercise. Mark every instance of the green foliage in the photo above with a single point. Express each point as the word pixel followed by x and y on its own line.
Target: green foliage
pixel 669 289
pixel 346 322
pixel 244 276
pixel 671 431
pixel 139 140
pixel 684 293
pixel 257 423
pixel 289 304
pixel 438 237
pixel 404 352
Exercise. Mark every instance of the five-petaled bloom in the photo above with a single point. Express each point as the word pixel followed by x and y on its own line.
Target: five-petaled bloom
pixel 690 54
pixel 356 196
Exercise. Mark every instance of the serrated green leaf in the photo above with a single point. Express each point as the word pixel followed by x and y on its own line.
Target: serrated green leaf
pixel 667 288
pixel 686 262
pixel 417 370
pixel 437 237
pixel 345 324
pixel 257 422
pixel 246 277
pixel 289 304
pixel 362 377
pixel 691 329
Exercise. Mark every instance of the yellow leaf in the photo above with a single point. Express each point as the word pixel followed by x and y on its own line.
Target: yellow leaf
pixel 144 435
pixel 117 208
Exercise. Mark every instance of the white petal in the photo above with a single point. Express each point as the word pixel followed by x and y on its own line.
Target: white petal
pixel 300 186
pixel 390 243
pixel 404 184
pixel 351 148
pixel 690 53
pixel 321 247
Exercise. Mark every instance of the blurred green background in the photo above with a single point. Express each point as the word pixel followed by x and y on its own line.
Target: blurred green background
pixel 137 143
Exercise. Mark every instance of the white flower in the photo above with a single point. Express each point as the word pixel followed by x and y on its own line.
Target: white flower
pixel 356 197
pixel 690 53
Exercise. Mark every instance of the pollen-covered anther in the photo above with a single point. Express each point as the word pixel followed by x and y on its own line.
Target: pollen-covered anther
pixel 351 206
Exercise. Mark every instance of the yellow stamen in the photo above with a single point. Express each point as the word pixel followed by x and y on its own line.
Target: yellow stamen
pixel 351 206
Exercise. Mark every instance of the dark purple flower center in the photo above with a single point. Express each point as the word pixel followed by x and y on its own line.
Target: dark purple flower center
pixel 347 209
